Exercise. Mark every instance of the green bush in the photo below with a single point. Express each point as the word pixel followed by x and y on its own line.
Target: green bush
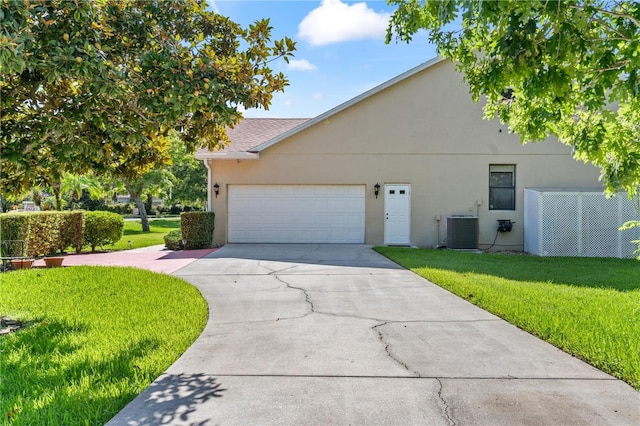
pixel 44 232
pixel 102 228
pixel 173 240
pixel 197 229
pixel 120 208
pixel 13 226
pixel 72 232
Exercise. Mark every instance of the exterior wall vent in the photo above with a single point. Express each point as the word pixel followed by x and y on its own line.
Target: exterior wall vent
pixel 462 232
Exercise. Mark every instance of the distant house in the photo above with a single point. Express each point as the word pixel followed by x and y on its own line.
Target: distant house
pixel 126 198
pixel 410 162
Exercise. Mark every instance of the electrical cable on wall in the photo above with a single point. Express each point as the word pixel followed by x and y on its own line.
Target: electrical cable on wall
pixel 494 241
pixel 504 225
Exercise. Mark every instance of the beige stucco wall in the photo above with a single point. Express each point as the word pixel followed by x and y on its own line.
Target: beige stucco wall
pixel 424 131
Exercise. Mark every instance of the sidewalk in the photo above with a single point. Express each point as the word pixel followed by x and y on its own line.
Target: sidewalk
pixel 154 258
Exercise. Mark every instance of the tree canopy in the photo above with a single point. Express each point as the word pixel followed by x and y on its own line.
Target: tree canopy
pixel 546 67
pixel 189 182
pixel 99 84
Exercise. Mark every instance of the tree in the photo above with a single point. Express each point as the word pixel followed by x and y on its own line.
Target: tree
pixel 75 185
pixel 97 84
pixel 152 182
pixel 564 68
pixel 190 176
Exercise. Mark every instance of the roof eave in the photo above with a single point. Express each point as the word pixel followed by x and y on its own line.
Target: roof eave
pixel 234 155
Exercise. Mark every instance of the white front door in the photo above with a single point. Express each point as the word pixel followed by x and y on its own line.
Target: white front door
pixel 397 214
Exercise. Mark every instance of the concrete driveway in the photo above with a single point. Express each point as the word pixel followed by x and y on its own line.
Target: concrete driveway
pixel 337 334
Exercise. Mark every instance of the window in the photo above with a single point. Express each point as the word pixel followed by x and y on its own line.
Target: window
pixel 502 187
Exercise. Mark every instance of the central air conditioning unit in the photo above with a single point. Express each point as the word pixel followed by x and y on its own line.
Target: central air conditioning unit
pixel 462 232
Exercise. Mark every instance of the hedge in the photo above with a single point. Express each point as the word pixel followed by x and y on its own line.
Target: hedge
pixel 102 228
pixel 44 232
pixel 14 226
pixel 197 229
pixel 120 208
pixel 173 240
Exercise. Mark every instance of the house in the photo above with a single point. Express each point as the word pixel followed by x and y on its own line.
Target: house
pixel 410 162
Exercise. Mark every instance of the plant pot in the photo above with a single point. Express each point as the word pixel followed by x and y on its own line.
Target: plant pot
pixel 53 262
pixel 22 263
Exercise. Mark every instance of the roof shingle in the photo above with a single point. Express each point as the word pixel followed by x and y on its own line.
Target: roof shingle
pixel 251 132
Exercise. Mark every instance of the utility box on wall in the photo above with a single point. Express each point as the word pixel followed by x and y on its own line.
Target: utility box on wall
pixel 578 222
pixel 462 232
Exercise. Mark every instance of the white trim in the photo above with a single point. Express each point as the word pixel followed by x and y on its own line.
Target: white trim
pixel 209 179
pixel 234 155
pixel 346 105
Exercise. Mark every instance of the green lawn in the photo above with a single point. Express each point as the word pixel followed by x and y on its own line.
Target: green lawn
pixel 587 307
pixel 133 232
pixel 96 337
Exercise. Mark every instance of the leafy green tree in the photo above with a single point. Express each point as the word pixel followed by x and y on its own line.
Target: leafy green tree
pixel 97 84
pixel 546 67
pixel 151 183
pixel 190 176
pixel 74 185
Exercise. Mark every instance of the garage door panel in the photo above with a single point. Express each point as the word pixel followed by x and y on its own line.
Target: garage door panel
pixel 355 221
pixel 296 213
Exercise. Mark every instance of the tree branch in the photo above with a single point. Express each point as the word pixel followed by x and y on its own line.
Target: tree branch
pixel 612 29
pixel 624 14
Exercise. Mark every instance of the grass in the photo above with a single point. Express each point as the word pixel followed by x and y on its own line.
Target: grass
pixel 588 307
pixel 95 338
pixel 133 232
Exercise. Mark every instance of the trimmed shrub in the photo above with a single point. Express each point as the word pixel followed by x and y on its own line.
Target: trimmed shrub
pixel 73 231
pixel 102 228
pixel 197 229
pixel 120 208
pixel 44 232
pixel 173 240
pixel 14 226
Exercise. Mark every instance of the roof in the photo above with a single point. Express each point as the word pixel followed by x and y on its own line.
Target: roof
pixel 262 133
pixel 249 133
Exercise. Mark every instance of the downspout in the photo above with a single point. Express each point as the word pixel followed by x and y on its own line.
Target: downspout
pixel 209 179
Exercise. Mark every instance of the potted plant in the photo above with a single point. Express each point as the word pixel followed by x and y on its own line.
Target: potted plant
pixel 53 261
pixel 22 263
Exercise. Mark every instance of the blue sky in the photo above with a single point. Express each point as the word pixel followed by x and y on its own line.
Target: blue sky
pixel 340 50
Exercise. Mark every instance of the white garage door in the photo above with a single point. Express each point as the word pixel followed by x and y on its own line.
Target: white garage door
pixel 296 214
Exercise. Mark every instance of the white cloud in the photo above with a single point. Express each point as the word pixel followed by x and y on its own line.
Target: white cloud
pixel 317 96
pixel 335 22
pixel 301 65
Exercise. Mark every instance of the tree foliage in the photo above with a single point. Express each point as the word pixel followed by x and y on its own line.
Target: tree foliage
pixel 564 68
pixel 178 173
pixel 75 185
pixel 97 84
pixel 151 182
pixel 189 176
